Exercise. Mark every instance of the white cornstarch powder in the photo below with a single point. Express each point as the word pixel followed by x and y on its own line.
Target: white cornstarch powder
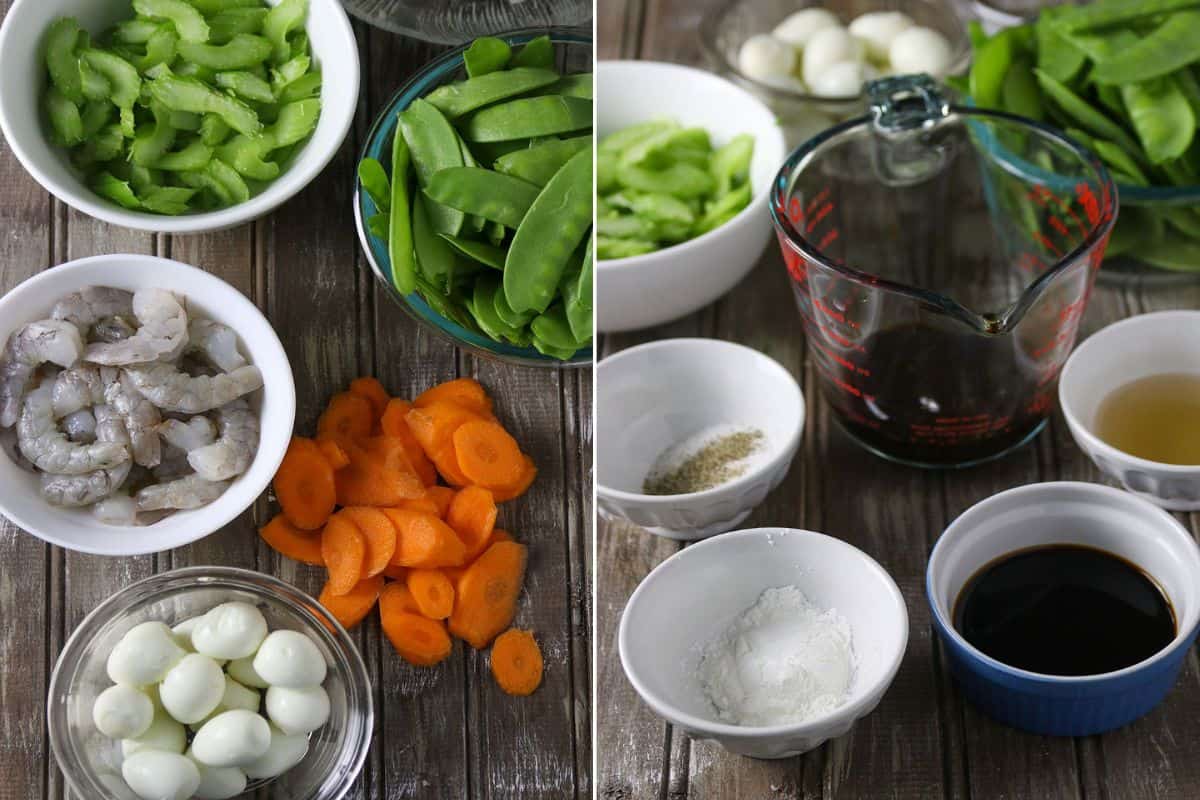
pixel 782 661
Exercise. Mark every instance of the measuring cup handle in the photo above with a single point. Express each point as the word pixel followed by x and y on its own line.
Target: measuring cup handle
pixel 902 103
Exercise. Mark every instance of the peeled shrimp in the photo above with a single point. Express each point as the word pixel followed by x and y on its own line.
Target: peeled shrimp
pixel 91 487
pixel 116 510
pixel 217 343
pixel 80 426
pixel 232 453
pixel 141 419
pixel 112 329
pixel 197 432
pixel 172 390
pixel 78 388
pixel 49 449
pixel 163 332
pixel 174 465
pixel 190 491
pixel 91 304
pixel 51 340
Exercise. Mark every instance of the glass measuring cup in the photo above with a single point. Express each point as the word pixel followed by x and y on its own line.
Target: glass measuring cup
pixel 941 258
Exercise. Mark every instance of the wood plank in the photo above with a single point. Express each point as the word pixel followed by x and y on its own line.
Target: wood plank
pixel 618 28
pixel 577 443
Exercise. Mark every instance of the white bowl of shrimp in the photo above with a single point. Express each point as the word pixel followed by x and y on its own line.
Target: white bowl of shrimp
pixel 130 390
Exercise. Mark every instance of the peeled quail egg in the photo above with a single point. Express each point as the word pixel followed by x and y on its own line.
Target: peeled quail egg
pixel 144 655
pixel 232 739
pixel 231 630
pixel 827 47
pixel 798 28
pixel 762 57
pixel 920 50
pixel 158 775
pixel 122 712
pixel 877 30
pixel 183 632
pixel 297 711
pixel 235 696
pixel 284 753
pixel 844 79
pixel 218 783
pixel 242 670
pixel 290 659
pixel 164 733
pixel 192 688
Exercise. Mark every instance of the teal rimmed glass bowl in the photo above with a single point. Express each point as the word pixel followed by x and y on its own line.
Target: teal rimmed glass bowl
pixel 574 53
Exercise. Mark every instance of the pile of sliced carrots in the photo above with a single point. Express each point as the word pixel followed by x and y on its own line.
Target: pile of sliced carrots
pixel 363 500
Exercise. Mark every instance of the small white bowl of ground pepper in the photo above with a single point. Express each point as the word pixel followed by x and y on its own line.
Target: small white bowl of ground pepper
pixel 691 434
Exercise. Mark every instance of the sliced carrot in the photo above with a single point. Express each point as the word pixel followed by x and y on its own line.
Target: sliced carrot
pixel 373 390
pixel 433 425
pixel 423 504
pixel 472 515
pixel 395 572
pixel 499 535
pixel 486 594
pixel 288 540
pixel 419 640
pixel 348 415
pixel 505 493
pixel 392 422
pixel 353 606
pixel 305 485
pixel 446 462
pixel 517 662
pixel 441 497
pixel 379 534
pixel 334 453
pixel 433 592
pixel 344 550
pixel 466 392
pixel 379 474
pixel 424 540
pixel 487 454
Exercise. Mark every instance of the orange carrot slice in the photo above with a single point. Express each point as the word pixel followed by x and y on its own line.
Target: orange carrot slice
pixel 353 606
pixel 373 390
pixel 466 392
pixel 487 454
pixel 446 461
pixel 441 497
pixel 472 515
pixel 379 474
pixel 424 540
pixel 379 534
pixel 425 505
pixel 505 493
pixel 433 425
pixel 288 540
pixel 304 485
pixel 394 423
pixel 432 591
pixel 419 640
pixel 348 416
pixel 344 550
pixel 499 535
pixel 334 453
pixel 486 594
pixel 517 662
pixel 395 572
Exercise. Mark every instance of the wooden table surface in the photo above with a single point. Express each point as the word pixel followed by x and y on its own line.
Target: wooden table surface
pixel 924 741
pixel 446 732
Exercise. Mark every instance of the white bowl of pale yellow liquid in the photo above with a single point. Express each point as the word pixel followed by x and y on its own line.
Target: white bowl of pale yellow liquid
pixel 1151 361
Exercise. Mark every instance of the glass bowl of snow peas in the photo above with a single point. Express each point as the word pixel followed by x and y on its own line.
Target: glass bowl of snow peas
pixel 487 240
pixel 174 116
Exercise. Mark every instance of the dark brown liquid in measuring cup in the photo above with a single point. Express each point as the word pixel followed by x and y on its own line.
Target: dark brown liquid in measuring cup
pixel 1064 610
pixel 934 396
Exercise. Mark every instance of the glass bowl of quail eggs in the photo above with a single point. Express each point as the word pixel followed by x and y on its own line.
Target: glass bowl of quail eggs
pixel 809 61
pixel 210 682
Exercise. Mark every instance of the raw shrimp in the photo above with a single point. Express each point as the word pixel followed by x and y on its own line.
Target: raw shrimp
pixel 116 510
pixel 112 329
pixel 141 419
pixel 77 388
pixel 47 447
pixel 91 304
pixel 190 491
pixel 174 465
pixel 162 335
pixel 232 453
pixel 53 340
pixel 172 390
pixel 188 436
pixel 80 426
pixel 217 343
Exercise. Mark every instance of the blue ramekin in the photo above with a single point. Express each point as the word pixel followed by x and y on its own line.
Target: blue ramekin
pixel 1065 513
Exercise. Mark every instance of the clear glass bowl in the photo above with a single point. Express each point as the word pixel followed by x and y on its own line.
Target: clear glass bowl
pixel 91 762
pixel 1147 267
pixel 458 21
pixel 574 53
pixel 726 27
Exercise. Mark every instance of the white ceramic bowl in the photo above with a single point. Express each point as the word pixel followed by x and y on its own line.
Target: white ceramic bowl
pixel 23 81
pixel 656 395
pixel 77 529
pixel 1134 348
pixel 697 593
pixel 654 288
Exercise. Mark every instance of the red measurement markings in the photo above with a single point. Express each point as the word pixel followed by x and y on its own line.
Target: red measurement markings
pixel 1040 404
pixel 1028 262
pixel 794 262
pixel 847 364
pixel 945 429
pixel 1043 197
pixel 1046 243
pixel 817 200
pixel 828 239
pixel 1068 319
pixel 795 212
pixel 821 214
pixel 1087 199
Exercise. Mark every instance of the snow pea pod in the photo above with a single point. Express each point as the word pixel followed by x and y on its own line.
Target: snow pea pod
pixel 374 180
pixel 1084 113
pixel 1172 251
pixel 63 40
pixel 1170 46
pixel 65 120
pixel 537 164
pixel 990 65
pixel 1161 117
pixel 527 117
pixel 549 233
pixel 1020 94
pixel 546 349
pixel 400 241
pixel 537 52
pixel 434 146
pixel 552 328
pixel 456 99
pixel 188 21
pixel 281 20
pixel 488 194
pixel 246 85
pixel 486 54
pixel 487 254
pixel 505 312
pixel 189 94
pixel 377 224
pixel 435 258
pixel 577 297
pixel 242 51
pixel 1057 55
pixel 1105 15
pixel 577 85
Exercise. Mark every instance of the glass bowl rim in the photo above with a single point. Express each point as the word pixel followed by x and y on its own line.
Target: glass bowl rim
pixel 62 743
pixel 418 85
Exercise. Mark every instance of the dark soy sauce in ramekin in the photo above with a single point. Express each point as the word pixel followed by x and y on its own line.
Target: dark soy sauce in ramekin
pixel 1064 610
